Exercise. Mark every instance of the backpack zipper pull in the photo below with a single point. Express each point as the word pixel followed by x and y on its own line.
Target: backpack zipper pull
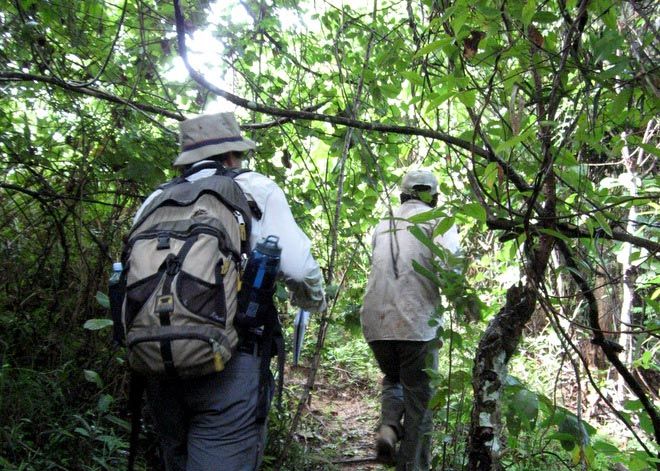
pixel 217 358
pixel 241 224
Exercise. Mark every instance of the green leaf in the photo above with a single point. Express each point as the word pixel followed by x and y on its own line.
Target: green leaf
pixel 468 98
pixel 488 11
pixel 426 216
pixel 413 77
pixel 432 47
pixel 490 174
pixel 93 377
pixel 426 273
pixel 102 299
pixel 545 17
pixel 651 149
pixel 526 405
pixel 618 107
pixel 436 99
pixel 443 226
pixel 474 211
pixel 514 141
pixel 605 448
pixel 459 19
pixel 104 403
pixel 528 12
pixel 602 222
pixel 575 430
pixel 97 324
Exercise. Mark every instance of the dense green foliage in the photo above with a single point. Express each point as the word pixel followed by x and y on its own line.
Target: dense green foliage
pixel 539 118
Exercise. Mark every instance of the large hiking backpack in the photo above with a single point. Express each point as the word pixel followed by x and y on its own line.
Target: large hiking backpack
pixel 182 275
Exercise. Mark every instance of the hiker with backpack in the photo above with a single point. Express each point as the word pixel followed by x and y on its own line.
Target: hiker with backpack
pixel 397 306
pixel 204 364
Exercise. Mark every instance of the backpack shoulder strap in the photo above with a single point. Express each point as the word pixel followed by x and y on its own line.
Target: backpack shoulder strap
pixel 181 192
pixel 254 207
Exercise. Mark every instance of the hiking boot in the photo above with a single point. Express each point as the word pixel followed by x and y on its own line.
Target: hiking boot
pixel 385 443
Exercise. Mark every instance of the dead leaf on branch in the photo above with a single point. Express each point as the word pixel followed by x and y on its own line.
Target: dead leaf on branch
pixel 535 36
pixel 471 43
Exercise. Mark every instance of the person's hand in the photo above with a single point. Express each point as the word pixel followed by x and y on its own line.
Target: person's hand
pixel 308 298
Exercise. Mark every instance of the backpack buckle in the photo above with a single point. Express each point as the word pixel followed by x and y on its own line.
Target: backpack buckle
pixel 172 265
pixel 163 242
pixel 164 304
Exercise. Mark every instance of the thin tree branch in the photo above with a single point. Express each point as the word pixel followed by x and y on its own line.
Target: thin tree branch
pixel 94 92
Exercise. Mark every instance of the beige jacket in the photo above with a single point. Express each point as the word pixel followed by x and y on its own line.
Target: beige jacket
pixel 399 308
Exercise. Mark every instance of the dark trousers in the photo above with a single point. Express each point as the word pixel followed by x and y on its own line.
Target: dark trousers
pixel 405 397
pixel 208 423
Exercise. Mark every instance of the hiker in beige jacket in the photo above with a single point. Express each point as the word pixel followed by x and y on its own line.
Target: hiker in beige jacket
pixel 397 306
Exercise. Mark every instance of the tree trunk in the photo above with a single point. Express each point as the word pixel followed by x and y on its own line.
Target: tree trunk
pixel 628 272
pixel 495 349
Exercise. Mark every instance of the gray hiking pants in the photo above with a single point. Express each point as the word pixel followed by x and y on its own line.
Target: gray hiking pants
pixel 405 396
pixel 208 423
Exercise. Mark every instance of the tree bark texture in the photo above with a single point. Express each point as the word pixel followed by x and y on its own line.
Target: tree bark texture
pixel 489 373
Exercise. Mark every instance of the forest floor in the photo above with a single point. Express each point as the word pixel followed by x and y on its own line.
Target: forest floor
pixel 340 421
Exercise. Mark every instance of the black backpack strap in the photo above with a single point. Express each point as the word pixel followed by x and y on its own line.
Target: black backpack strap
pixel 136 389
pixel 272 340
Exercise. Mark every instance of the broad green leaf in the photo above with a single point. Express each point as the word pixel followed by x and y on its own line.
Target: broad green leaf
pixel 619 105
pixel 102 299
pixel 436 99
pixel 575 429
pixel 488 11
pixel 426 216
pixel 104 403
pixel 426 273
pixel 97 324
pixel 515 140
pixel 459 19
pixel 443 226
pixel 474 211
pixel 468 97
pixel 428 242
pixel 526 404
pixel 528 12
pixel 605 448
pixel 93 377
pixel 490 174
pixel 431 47
pixel 602 222
pixel 651 149
pixel 545 17
pixel 413 77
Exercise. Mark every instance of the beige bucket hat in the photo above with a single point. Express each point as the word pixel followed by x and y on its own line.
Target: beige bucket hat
pixel 204 136
pixel 419 180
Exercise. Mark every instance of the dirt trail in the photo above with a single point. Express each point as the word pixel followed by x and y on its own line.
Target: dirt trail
pixel 343 422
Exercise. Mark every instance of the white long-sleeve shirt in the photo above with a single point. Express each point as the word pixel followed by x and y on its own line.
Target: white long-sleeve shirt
pixel 399 308
pixel 298 267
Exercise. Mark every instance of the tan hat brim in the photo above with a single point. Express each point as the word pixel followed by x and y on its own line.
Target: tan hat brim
pixel 209 150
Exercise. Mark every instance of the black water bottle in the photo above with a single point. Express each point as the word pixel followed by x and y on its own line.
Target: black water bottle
pixel 258 283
